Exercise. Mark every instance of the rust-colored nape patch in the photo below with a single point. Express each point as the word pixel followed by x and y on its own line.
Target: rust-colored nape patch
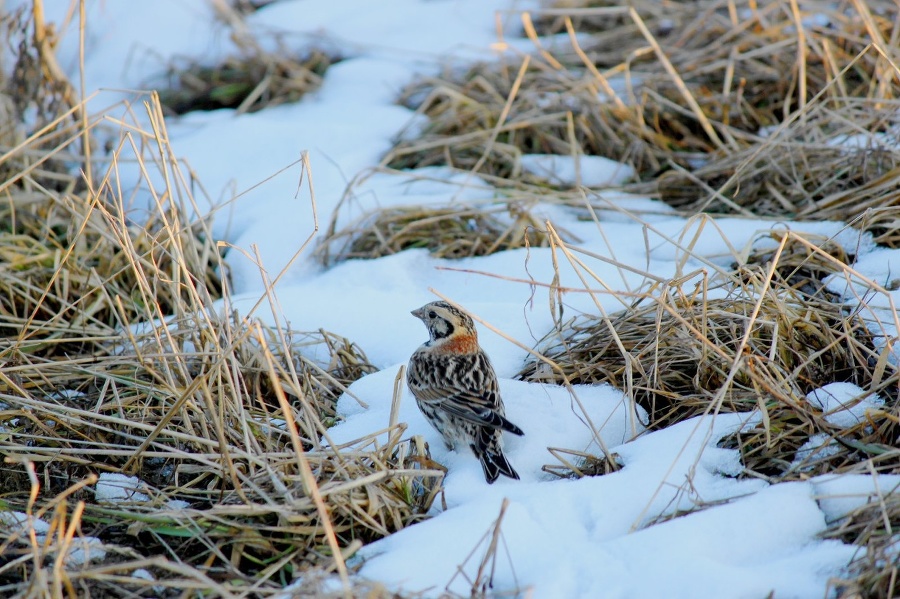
pixel 463 343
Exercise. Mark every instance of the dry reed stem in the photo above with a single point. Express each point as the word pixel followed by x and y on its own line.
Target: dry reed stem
pixel 482 582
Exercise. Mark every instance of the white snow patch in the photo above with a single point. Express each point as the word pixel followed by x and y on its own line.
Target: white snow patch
pixel 839 494
pixel 843 403
pixel 589 171
pixel 22 523
pixel 817 447
pixel 114 487
pixel 81 550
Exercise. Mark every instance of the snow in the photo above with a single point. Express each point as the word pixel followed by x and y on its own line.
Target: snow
pixel 590 543
pixel 23 524
pixel 843 403
pixel 674 521
pixel 876 267
pixel 819 446
pixel 743 549
pixel 85 549
pixel 872 283
pixel 142 574
pixel 590 171
pixel 557 420
pixel 81 550
pixel 839 495
pixel 113 487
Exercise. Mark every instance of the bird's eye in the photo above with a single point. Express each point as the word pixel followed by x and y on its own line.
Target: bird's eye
pixel 432 314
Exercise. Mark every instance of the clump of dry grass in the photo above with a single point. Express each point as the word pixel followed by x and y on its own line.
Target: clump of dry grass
pixel 760 337
pixel 656 87
pixel 461 228
pixel 550 112
pixel 76 268
pixel 756 51
pixel 448 232
pixel 873 527
pixel 119 356
pixel 116 360
pixel 76 272
pixel 206 412
pixel 841 162
pixel 247 83
pixel 35 86
pixel 255 79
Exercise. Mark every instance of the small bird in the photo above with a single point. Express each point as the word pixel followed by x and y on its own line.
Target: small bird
pixel 456 388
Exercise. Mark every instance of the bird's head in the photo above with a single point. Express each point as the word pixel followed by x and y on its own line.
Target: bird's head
pixel 447 324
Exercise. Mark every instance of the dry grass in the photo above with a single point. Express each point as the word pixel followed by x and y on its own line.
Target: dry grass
pixel 755 338
pixel 683 90
pixel 254 79
pixel 448 232
pixel 120 356
pixel 760 337
pixel 457 229
pixel 550 111
pixel 840 163
pixel 873 527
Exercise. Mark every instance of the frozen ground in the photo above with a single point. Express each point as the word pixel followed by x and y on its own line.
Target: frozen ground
pixel 585 538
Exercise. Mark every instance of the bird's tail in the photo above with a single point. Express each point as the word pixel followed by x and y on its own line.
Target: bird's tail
pixel 495 464
pixel 487 448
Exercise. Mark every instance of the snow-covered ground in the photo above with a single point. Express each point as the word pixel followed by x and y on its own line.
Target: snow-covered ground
pixel 560 538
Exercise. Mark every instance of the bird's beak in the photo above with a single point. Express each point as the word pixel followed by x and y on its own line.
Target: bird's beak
pixel 418 313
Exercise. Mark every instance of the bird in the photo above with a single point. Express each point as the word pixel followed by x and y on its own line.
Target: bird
pixel 456 388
